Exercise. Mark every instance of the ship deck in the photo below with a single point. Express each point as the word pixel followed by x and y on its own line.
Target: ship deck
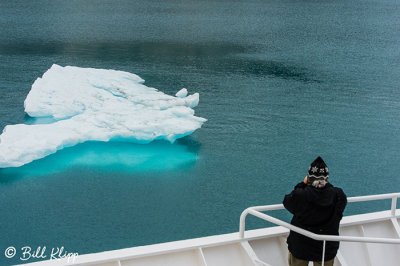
pixel 265 246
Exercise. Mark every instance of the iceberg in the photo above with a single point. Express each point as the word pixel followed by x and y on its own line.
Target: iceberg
pixel 87 104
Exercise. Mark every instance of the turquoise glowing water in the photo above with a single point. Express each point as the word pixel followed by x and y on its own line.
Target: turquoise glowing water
pixel 279 82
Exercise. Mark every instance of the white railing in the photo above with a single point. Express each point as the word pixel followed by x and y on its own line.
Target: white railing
pixel 257 211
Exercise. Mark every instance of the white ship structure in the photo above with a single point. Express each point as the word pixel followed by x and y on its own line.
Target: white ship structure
pixel 370 239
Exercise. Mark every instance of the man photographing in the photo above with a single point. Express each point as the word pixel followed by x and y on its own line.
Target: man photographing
pixel 317 206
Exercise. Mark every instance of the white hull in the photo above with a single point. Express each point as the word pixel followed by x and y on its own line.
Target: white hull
pixel 259 247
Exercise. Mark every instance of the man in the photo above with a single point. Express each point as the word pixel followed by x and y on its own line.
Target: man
pixel 317 206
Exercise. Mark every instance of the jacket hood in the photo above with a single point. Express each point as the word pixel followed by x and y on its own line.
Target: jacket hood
pixel 323 197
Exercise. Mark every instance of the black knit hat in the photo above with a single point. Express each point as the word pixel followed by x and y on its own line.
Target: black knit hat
pixel 318 171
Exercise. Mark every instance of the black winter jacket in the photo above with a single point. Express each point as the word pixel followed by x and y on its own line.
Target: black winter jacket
pixel 318 210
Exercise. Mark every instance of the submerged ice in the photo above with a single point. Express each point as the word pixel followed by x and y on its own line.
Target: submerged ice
pixel 95 105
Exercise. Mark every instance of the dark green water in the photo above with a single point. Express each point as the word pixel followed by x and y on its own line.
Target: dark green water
pixel 280 83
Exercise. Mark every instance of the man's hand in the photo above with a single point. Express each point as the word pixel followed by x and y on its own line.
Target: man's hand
pixel 305 179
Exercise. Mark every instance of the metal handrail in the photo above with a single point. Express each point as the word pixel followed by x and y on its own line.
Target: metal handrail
pixel 257 211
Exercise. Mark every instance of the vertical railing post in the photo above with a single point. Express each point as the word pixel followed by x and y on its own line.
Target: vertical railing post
pixel 323 253
pixel 242 223
pixel 394 203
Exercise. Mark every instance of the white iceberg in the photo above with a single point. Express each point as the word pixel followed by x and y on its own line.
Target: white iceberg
pixel 95 105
